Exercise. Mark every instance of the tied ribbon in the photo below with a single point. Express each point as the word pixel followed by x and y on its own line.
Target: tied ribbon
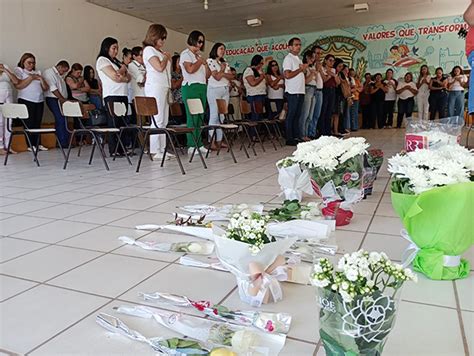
pixel 264 286
pixel 342 216
pixel 294 182
pixel 412 250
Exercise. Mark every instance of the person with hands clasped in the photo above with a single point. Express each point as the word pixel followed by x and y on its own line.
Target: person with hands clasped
pixel 293 71
pixel 195 73
pixel 7 78
pixel 217 88
pixel 275 88
pixel 457 81
pixel 255 86
pixel 406 91
pixel 422 99
pixel 158 83
pixel 309 98
pixel 378 91
pixel 31 93
pixel 438 95
pixel 331 80
pixel 115 78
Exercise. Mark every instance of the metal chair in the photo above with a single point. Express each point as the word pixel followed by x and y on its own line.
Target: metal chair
pixel 147 107
pixel 119 110
pixel 246 111
pixel 12 111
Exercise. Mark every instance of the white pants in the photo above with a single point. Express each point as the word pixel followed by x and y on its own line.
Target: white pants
pixel 5 97
pixel 235 101
pixel 158 142
pixel 422 101
pixel 214 93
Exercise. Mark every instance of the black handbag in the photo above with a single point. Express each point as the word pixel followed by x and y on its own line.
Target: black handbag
pixel 97 117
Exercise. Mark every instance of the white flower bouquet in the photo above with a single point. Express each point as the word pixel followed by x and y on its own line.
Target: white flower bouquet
pixel 293 180
pixel 422 134
pixel 241 340
pixel 249 252
pixel 358 301
pixel 432 191
pixel 336 168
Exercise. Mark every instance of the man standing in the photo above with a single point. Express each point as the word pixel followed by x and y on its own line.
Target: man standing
pixel 469 18
pixel 293 69
pixel 318 94
pixel 56 96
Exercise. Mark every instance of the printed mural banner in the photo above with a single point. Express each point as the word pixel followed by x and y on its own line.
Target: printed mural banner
pixel 402 46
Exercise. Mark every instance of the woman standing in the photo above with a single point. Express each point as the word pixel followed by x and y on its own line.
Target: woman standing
pixel 78 86
pixel 7 78
pixel 365 103
pixel 30 92
pixel 406 91
pixel 114 77
pixel 176 83
pixel 275 88
pixel 138 77
pixel 390 97
pixel 345 102
pixel 217 88
pixel 195 74
pixel 309 97
pixel 377 98
pixel 422 99
pixel 457 81
pixel 331 81
pixel 254 82
pixel 356 89
pixel 95 93
pixel 158 83
pixel 438 96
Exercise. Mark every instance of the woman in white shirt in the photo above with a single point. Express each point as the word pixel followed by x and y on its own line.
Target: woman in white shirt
pixel 158 82
pixel 457 81
pixel 114 77
pixel 195 73
pixel 423 96
pixel 275 88
pixel 137 71
pixel 7 78
pixel 217 88
pixel 406 91
pixel 390 85
pixel 255 85
pixel 309 96
pixel 30 92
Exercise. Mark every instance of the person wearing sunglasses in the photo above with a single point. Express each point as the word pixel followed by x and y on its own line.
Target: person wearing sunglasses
pixel 31 93
pixel 275 88
pixel 158 83
pixel 195 73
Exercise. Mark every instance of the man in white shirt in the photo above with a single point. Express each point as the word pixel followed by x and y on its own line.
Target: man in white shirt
pixel 293 69
pixel 56 95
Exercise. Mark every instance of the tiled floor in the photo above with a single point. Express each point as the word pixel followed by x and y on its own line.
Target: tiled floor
pixel 61 263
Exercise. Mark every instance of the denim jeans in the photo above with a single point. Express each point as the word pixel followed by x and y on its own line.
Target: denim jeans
pixel 346 114
pixel 438 104
pixel 329 98
pixel 354 115
pixel 214 93
pixel 307 110
pixel 59 121
pixel 456 103
pixel 295 103
pixel 318 103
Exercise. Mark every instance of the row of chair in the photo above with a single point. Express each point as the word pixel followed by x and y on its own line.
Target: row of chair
pixel 145 107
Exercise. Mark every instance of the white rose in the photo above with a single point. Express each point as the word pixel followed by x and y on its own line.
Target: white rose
pixel 194 247
pixel 305 215
pixel 243 341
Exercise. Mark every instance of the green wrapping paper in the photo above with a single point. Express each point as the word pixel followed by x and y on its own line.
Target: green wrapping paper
pixel 440 222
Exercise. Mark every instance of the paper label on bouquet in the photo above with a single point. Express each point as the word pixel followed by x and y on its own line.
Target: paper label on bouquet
pixel 294 182
pixel 414 142
pixel 329 191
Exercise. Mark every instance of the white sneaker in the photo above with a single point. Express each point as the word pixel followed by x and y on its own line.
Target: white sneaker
pixel 29 148
pixel 190 150
pixel 203 149
pixel 42 148
pixel 168 155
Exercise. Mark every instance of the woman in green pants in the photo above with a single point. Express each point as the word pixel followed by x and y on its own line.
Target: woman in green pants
pixel 195 74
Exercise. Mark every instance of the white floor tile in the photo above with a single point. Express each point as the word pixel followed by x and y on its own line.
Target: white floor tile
pixel 99 200
pixel 386 225
pixel 61 211
pixel 101 215
pixel 136 203
pixel 143 217
pixel 20 223
pixel 40 313
pixel 11 286
pixel 109 275
pixel 54 231
pixel 393 246
pixel 465 289
pixel 11 248
pixel 46 263
pixel 430 292
pixel 26 207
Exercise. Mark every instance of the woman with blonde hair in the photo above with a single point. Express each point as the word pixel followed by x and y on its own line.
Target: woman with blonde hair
pixel 158 83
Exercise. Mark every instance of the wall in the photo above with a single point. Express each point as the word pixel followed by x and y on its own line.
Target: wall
pixel 371 48
pixel 67 29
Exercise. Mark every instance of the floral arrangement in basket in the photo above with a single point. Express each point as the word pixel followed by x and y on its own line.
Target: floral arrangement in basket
pixel 432 191
pixel 335 167
pixel 358 301
pixel 254 256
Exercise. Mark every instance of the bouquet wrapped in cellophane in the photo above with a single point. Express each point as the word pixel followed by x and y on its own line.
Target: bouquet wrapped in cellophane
pixel 335 167
pixel 432 191
pixel 358 302
pixel 255 257
pixel 293 180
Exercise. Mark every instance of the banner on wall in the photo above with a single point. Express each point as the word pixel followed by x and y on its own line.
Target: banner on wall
pixel 404 46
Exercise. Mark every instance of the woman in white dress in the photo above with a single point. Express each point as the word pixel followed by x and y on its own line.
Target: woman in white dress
pixel 7 78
